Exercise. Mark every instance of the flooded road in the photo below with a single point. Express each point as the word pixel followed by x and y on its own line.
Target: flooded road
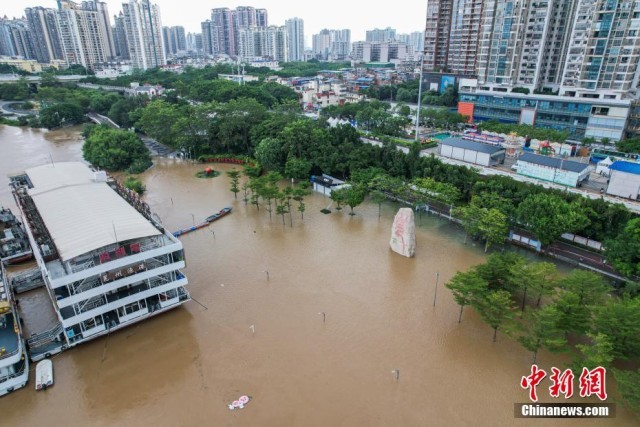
pixel 183 367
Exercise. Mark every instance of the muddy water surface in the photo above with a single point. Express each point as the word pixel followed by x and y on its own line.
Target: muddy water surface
pixel 183 367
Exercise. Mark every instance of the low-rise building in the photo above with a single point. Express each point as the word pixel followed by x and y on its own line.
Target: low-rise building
pixel 624 180
pixel 560 171
pixel 239 78
pixel 28 65
pixel 146 89
pixel 472 152
pixel 581 117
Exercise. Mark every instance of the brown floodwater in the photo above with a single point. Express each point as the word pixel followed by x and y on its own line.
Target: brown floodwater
pixel 184 367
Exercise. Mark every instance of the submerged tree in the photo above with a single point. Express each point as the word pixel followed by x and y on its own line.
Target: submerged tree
pixel 465 287
pixel 299 194
pixel 496 308
pixel 378 198
pixel 235 179
pixel 629 387
pixel 541 329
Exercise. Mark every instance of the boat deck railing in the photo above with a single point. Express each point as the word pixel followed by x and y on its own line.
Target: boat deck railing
pixel 14 375
pixel 46 337
pixel 115 251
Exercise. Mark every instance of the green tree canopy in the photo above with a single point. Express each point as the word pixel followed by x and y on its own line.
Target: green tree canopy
pixel 620 321
pixel 116 150
pixel 548 217
pixel 623 252
pixel 270 153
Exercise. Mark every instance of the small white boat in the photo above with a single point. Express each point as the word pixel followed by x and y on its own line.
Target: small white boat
pixel 44 374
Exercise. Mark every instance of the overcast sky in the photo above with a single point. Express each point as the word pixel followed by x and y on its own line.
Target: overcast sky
pixel 405 16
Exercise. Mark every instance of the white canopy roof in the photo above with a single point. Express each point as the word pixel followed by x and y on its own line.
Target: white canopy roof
pixel 80 213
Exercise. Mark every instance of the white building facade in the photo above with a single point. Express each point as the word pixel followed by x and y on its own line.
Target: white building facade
pixel 82 34
pixel 143 31
pixel 295 34
pixel 624 180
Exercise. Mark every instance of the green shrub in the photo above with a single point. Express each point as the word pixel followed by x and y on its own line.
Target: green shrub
pixel 133 183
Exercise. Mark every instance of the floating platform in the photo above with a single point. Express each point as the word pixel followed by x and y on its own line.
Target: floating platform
pixel 209 220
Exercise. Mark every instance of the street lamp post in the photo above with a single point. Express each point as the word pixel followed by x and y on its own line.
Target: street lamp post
pixel 419 96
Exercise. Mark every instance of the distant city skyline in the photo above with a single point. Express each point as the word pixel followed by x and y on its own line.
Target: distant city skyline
pixel 330 14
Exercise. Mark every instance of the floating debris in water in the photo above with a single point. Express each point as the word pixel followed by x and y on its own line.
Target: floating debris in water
pixel 239 404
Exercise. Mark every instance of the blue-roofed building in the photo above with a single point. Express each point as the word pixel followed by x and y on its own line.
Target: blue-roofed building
pixel 553 169
pixel 624 180
pixel 472 152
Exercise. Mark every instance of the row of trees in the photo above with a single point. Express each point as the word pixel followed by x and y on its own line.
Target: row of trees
pixel 266 190
pixel 380 119
pixel 408 92
pixel 524 130
pixel 542 309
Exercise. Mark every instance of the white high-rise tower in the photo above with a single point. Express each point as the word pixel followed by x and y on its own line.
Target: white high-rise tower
pixel 143 29
pixel 295 32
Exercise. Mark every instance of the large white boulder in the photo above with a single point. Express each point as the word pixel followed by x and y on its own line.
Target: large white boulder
pixel 403 233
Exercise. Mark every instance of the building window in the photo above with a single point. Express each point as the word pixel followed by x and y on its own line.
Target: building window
pixel 132 308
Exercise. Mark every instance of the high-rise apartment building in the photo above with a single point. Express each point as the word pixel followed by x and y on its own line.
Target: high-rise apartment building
pixel 81 34
pixel 582 54
pixel 44 32
pixel 268 43
pixel 379 51
pixel 521 43
pixel 220 35
pixel 378 35
pixel 175 40
pixel 604 50
pixel 295 32
pixel 120 37
pixel 105 25
pixel 194 42
pixel 463 36
pixel 143 28
pixel 262 18
pixel 415 41
pixel 247 16
pixel 436 34
pixel 332 44
pixel 16 38
pixel 451 35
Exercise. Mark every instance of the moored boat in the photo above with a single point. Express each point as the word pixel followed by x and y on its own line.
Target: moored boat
pixel 206 222
pixel 219 215
pixel 44 374
pixel 14 243
pixel 14 364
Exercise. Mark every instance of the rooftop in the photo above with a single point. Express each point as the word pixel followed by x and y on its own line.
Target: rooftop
pixel 81 213
pixel 553 162
pixel 627 167
pixel 470 145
